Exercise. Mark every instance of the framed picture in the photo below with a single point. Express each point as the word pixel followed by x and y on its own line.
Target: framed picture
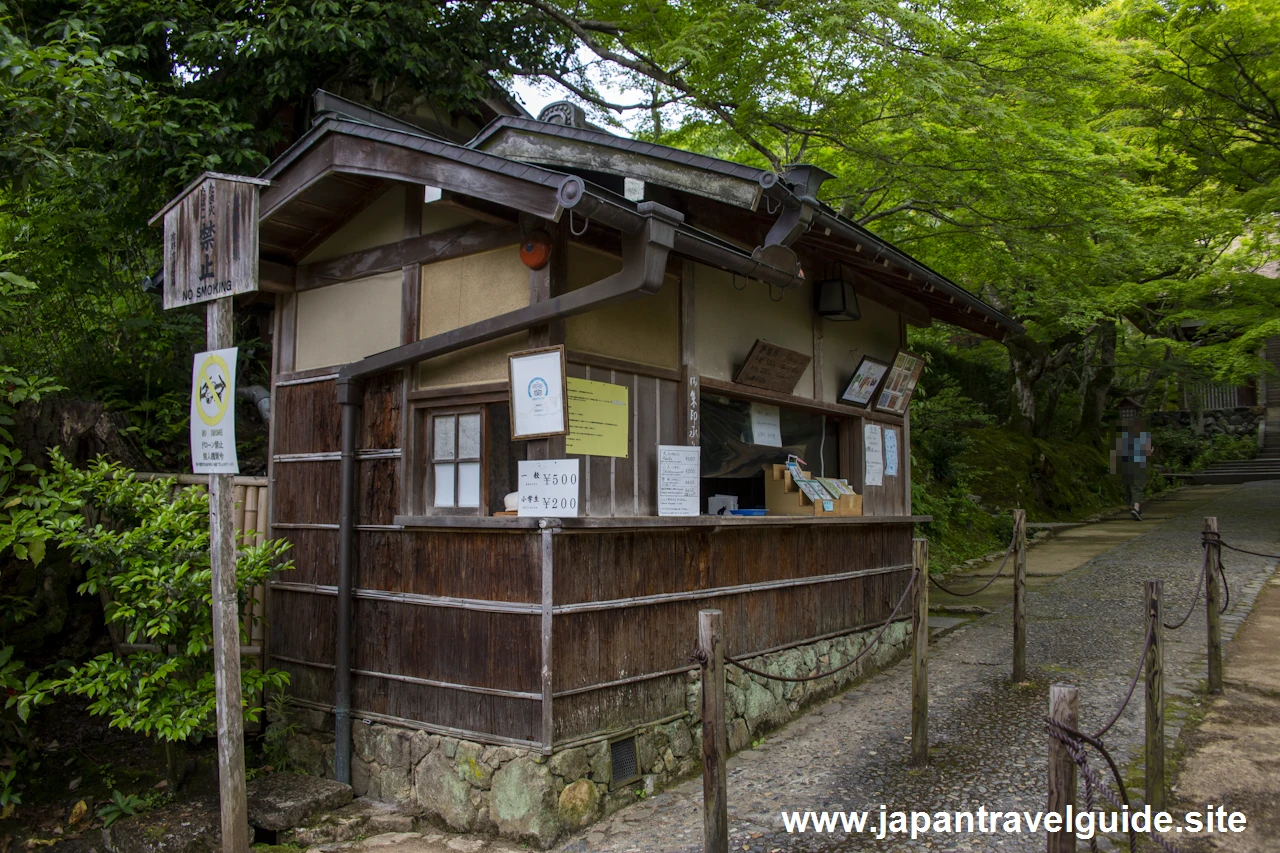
pixel 538 393
pixel 895 394
pixel 866 379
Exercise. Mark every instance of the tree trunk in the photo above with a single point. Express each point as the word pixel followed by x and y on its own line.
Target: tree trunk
pixel 1027 358
pixel 1093 396
pixel 1044 424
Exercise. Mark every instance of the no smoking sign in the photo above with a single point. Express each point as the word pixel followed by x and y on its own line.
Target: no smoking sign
pixel 213 413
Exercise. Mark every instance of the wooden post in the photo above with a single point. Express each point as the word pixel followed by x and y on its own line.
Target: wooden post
pixel 920 656
pixel 1064 707
pixel 715 745
pixel 226 627
pixel 1155 696
pixel 548 578
pixel 1019 595
pixel 1212 597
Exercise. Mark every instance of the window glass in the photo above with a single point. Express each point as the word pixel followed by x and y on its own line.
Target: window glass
pixel 733 464
pixel 729 450
pixel 469 436
pixel 469 484
pixel 443 429
pixel 443 475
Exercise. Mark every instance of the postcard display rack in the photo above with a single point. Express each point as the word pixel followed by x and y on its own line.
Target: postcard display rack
pixel 821 496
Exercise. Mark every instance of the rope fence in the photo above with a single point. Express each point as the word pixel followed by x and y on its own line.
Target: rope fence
pixel 699 654
pixel 1008 551
pixel 1069 746
pixel 1075 744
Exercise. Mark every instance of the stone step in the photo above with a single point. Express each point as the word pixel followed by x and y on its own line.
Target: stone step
pixel 358 819
pixel 1244 466
pixel 1205 478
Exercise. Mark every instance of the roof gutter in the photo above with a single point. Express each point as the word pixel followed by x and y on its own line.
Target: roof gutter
pixel 644 264
pixel 825 219
pixel 689 242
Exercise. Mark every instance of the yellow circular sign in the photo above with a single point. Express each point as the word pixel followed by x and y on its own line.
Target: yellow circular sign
pixel 213 390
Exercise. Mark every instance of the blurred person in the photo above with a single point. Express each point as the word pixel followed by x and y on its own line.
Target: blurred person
pixel 1129 459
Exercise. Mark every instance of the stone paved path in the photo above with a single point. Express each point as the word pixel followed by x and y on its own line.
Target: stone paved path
pixel 987 743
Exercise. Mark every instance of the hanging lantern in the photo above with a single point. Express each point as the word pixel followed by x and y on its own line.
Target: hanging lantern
pixel 833 295
pixel 535 249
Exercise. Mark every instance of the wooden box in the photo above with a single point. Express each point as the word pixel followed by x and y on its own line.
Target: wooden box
pixel 783 497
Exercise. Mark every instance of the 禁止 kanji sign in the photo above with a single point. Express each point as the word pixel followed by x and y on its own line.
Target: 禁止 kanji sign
pixel 211 240
pixel 213 413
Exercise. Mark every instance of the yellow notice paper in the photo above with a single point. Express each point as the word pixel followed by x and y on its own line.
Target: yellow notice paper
pixel 598 417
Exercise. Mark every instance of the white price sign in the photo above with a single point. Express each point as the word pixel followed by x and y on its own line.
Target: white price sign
pixel 213 413
pixel 549 487
pixel 679 468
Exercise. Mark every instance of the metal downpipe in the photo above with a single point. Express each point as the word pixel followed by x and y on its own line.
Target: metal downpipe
pixel 350 394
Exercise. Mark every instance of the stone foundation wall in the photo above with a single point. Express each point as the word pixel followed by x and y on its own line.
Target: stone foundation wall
pixel 524 795
pixel 1242 420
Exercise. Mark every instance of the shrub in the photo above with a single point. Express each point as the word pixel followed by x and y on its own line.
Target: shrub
pixel 150 556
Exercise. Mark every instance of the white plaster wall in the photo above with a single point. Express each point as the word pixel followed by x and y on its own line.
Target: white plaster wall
pixel 345 322
pixel 844 344
pixel 382 222
pixel 463 291
pixel 728 321
pixel 644 330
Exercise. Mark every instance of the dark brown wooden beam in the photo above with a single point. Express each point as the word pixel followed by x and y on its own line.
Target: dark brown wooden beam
pixel 275 277
pixel 494 214
pixel 456 242
pixel 296 180
pixel 762 395
pixel 391 162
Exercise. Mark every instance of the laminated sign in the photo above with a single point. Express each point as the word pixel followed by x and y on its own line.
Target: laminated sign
pixel 549 487
pixel 213 413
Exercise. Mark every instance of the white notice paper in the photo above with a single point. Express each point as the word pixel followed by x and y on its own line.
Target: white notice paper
pixel 873 453
pixel 766 425
pixel 679 469
pixel 549 487
pixel 890 452
pixel 213 413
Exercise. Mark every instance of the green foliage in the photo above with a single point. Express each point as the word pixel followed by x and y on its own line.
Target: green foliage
pixel 112 106
pixel 275 740
pixel 1080 170
pixel 121 805
pixel 1179 449
pixel 151 559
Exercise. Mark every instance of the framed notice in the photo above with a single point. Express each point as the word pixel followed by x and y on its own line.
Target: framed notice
pixel 538 393
pixel 866 379
pixel 895 394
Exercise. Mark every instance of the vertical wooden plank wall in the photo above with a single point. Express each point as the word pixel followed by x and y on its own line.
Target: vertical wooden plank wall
pixel 893 497
pixel 626 604
pixel 445 622
pixel 628 486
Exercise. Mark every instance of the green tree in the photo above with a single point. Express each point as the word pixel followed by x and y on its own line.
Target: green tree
pixel 989 139
pixel 111 106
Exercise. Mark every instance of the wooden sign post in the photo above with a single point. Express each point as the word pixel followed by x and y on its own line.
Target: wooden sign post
pixel 211 254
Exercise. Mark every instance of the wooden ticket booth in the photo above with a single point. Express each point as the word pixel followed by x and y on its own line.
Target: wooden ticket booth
pixel 474 654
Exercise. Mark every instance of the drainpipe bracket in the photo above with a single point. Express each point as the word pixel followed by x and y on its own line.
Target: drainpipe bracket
pixel 350 391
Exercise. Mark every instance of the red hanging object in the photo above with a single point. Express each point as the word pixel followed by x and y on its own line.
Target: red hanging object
pixel 535 250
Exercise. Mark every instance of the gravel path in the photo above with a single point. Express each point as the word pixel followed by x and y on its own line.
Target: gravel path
pixel 987 741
